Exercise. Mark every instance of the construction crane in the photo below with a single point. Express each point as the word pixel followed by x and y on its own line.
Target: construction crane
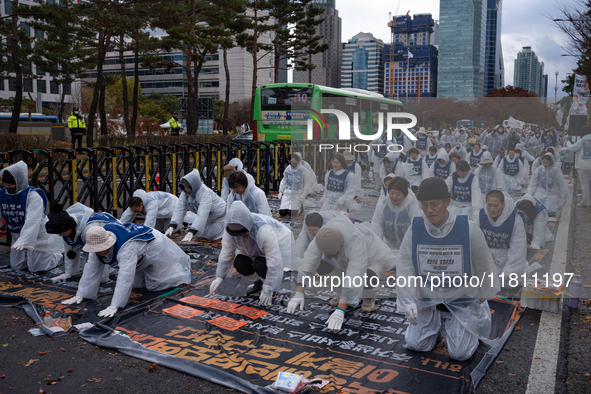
pixel 391 24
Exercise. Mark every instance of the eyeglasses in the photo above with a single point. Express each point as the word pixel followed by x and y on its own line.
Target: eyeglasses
pixel 425 205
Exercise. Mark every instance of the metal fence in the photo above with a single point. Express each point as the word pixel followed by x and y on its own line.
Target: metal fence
pixel 105 178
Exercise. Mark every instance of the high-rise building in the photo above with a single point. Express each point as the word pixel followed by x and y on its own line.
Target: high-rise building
pixel 363 67
pixel 529 73
pixel 462 44
pixel 417 76
pixel 328 64
pixel 44 91
pixel 494 68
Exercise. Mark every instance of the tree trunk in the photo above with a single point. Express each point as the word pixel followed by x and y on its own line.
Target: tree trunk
pixel 227 97
pixel 103 43
pixel 254 61
pixel 102 112
pixel 309 69
pixel 60 115
pixel 191 84
pixel 136 84
pixel 124 84
pixel 277 54
pixel 18 71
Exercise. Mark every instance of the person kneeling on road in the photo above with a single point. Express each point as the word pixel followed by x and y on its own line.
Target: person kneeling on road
pixel 24 208
pixel 259 247
pixel 72 225
pixel 430 304
pixel 503 226
pixel 202 201
pixel 536 226
pixel 144 256
pixel 346 255
pixel 247 192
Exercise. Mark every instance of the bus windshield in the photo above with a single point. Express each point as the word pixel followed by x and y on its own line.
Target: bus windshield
pixel 285 97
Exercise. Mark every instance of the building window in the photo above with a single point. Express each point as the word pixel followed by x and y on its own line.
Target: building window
pixel 209 84
pixel 54 88
pixel 68 89
pixel 1 84
pixel 12 84
pixel 41 86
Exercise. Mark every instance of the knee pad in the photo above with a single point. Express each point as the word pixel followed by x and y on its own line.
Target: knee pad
pixel 324 268
pixel 243 265
pixel 260 266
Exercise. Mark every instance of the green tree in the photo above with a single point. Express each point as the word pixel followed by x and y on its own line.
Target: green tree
pixel 61 47
pixel 15 52
pixel 307 42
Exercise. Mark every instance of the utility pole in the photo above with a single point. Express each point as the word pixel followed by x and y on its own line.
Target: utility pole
pixel 555 88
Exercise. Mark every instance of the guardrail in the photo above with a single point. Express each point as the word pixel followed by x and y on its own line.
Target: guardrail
pixel 105 178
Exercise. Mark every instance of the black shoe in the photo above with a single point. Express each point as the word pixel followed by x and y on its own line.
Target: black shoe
pixel 255 288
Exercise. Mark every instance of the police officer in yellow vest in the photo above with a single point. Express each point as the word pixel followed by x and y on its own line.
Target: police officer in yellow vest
pixel 175 126
pixel 77 127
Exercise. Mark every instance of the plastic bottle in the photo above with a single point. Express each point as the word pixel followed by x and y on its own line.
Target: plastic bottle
pixel 47 319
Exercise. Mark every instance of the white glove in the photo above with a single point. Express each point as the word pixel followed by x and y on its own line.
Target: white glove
pixel 323 199
pixel 535 247
pixel 335 321
pixel 61 277
pixel 18 246
pixel 279 196
pixel 74 300
pixel 169 231
pixel 215 284
pixel 188 237
pixel 297 300
pixel 265 298
pixel 108 312
pixel 412 314
pixel 341 201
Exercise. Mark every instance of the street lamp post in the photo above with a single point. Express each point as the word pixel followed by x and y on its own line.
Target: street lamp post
pixel 555 88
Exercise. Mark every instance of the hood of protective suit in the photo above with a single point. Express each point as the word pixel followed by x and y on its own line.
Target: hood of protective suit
pixel 143 195
pixel 300 161
pixel 238 213
pixel 20 172
pixel 442 154
pixel 80 213
pixel 550 157
pixel 392 156
pixel 508 210
pixel 237 163
pixel 194 180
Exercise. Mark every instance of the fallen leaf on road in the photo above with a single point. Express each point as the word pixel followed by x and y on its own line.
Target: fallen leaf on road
pixel 42 391
pixel 42 353
pixel 83 385
pixel 31 361
pixel 2 377
pixel 118 378
pixel 153 367
pixel 537 358
pixel 499 362
pixel 5 345
pixel 512 374
pixel 97 380
pixel 575 264
pixel 517 328
pixel 70 370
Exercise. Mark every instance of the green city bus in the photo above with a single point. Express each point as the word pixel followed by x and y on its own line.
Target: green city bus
pixel 274 120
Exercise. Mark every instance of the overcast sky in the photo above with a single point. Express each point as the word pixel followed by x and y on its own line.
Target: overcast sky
pixel 523 24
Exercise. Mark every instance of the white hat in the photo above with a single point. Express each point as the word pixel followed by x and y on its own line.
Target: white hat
pixel 98 239
pixel 486 158
pixel 519 146
pixel 422 131
pixel 348 156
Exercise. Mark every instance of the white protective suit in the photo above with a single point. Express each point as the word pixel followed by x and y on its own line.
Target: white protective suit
pixel 420 143
pixel 495 141
pixel 330 219
pixel 158 210
pixel 511 259
pixel 81 214
pixel 436 168
pixel 402 140
pixel 489 179
pixel 390 222
pixel 417 170
pixel 458 189
pixel 396 167
pixel 342 195
pixel 164 265
pixel 582 149
pixel 39 251
pixel 512 181
pixel 208 206
pixel 295 186
pixel 267 238
pixel 312 177
pixel 254 199
pixel 237 164
pixel 460 151
pixel 379 149
pixel 538 226
pixel 469 317
pixel 446 139
pixel 362 250
pixel 549 187
pixel 356 169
